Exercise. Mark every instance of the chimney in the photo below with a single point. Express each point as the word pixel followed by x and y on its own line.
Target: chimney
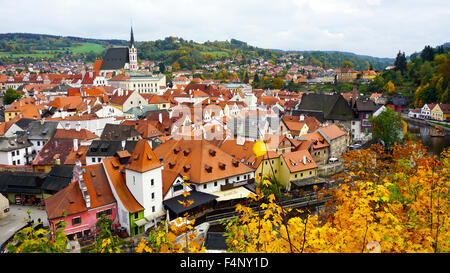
pixel 123 145
pixel 160 118
pixel 75 144
pixel 304 160
pixel 89 109
pixel 78 127
pixel 302 117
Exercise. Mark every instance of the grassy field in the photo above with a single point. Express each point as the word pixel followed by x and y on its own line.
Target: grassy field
pixel 216 53
pixel 87 47
pixel 83 48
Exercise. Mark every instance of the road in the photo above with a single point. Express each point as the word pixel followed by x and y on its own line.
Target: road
pixel 17 219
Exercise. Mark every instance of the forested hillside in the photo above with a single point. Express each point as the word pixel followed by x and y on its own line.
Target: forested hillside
pixel 175 51
pixel 425 78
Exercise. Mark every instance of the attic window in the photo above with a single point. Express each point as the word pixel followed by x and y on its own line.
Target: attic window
pixel 235 163
pixel 136 157
pixel 93 174
pixel 79 154
pixel 172 164
pixel 186 168
pixel 176 150
pixel 149 157
pixel 222 165
pixel 294 163
pixel 212 152
pixel 208 168
pixel 187 151
pixel 115 165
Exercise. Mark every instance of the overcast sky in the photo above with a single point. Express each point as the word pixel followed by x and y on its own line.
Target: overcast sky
pixel 370 27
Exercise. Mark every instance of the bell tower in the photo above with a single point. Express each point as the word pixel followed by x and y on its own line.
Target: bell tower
pixel 133 53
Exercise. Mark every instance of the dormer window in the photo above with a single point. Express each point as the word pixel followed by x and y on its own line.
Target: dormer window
pixel 222 165
pixel 208 168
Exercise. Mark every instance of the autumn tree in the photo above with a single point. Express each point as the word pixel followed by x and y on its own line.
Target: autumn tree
pixel 10 96
pixel 347 64
pixel 105 241
pixel 387 127
pixel 277 83
pixel 389 88
pixel 385 202
pixel 32 240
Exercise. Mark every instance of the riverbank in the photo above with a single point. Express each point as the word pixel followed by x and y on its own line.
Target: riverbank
pixel 443 125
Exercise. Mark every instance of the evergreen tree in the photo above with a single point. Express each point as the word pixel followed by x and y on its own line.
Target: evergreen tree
pixel 427 53
pixel 162 67
pixel 256 78
pixel 400 62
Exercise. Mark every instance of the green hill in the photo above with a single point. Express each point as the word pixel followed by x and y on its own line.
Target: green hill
pixel 171 50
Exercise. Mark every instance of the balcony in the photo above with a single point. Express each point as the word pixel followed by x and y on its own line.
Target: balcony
pixel 240 183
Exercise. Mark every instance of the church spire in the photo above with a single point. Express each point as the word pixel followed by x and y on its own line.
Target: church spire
pixel 132 37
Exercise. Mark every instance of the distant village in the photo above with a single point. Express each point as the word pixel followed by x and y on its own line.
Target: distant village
pixel 116 138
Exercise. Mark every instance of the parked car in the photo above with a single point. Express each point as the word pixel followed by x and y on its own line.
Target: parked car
pixel 355 146
pixel 333 160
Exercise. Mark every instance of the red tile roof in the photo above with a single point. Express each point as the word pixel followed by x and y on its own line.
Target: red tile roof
pixel 114 169
pixel 143 158
pixel 70 199
pixel 296 162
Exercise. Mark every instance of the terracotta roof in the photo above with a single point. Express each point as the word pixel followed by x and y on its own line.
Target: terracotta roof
pixel 66 103
pixel 146 128
pixel 97 66
pixel 293 123
pixel 70 199
pixel 201 161
pixel 143 158
pixel 114 169
pixel 82 134
pixel 120 99
pixel 333 131
pixel 296 161
pixel 268 155
pixel 120 77
pixel 444 107
pixel 79 155
pixel 168 177
pixel 317 140
pixel 54 149
pixel 239 152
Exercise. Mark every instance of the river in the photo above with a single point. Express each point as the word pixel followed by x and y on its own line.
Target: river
pixel 434 144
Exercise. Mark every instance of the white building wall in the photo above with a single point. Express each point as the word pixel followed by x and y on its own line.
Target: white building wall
pixel 148 194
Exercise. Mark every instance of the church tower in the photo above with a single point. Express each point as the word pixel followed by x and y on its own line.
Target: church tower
pixel 133 53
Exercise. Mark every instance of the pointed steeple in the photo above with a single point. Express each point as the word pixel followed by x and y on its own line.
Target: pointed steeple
pixel 132 38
